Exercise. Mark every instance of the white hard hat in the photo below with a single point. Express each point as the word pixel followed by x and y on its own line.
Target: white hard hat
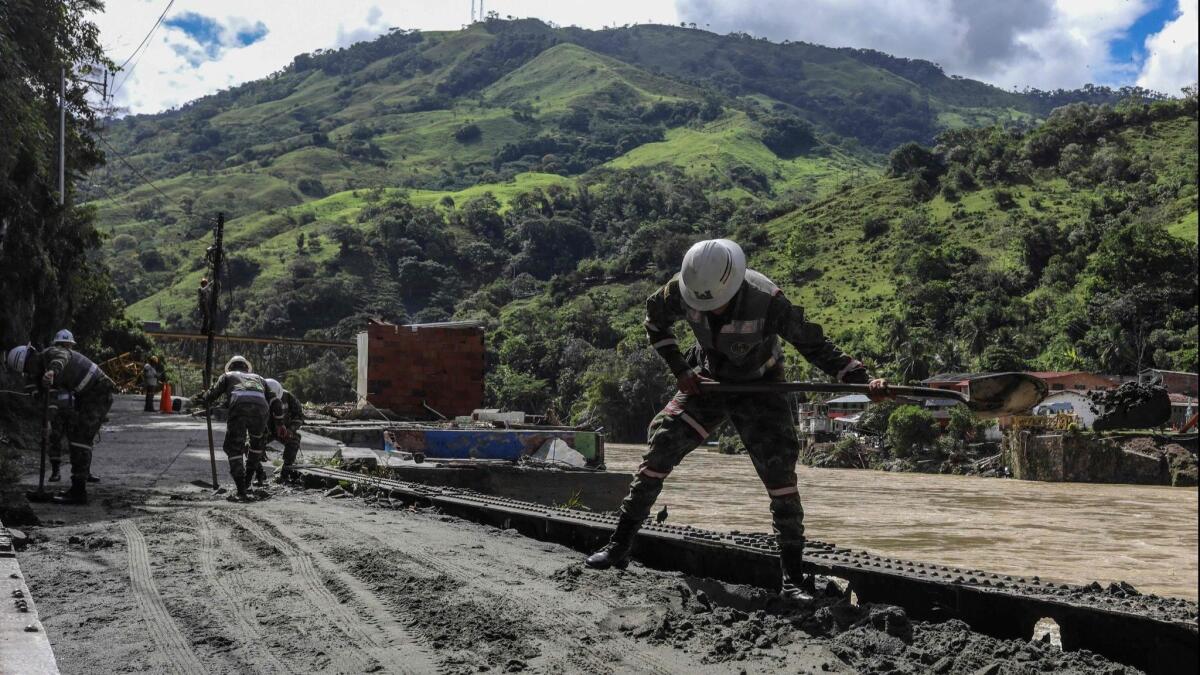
pixel 238 359
pixel 16 357
pixel 275 387
pixel 713 271
pixel 64 337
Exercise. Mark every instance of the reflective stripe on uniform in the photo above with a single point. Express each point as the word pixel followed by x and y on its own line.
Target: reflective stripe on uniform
pixel 854 363
pixel 87 379
pixel 783 491
pixel 665 342
pixel 81 445
pixel 650 326
pixel 647 471
pixel 744 327
pixel 758 372
pixel 694 424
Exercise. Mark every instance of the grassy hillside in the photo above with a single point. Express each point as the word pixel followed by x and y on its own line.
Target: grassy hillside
pixel 544 180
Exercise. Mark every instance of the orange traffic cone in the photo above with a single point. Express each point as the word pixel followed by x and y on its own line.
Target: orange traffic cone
pixel 164 404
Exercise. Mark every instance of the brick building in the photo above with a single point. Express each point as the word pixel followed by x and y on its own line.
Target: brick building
pixel 410 369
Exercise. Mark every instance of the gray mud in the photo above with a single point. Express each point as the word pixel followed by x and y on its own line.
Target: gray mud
pixel 156 575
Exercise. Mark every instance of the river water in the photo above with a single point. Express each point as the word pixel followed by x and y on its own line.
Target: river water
pixel 1065 532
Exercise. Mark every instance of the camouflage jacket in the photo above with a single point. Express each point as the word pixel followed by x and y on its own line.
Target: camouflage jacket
pixel 743 343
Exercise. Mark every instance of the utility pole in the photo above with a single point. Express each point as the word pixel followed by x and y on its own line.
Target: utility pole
pixel 62 137
pixel 210 312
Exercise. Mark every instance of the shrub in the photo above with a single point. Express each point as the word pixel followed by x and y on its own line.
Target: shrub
pixel 909 429
pixel 875 226
pixel 468 133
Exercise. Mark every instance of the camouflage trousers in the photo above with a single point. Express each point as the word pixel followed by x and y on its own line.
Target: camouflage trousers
pixel 291 447
pixel 78 426
pixel 245 421
pixel 764 422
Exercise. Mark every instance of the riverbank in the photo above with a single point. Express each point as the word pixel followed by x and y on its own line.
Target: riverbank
pixel 1067 532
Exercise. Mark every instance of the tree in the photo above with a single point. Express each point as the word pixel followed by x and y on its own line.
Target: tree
pixel 327 380
pixel 909 429
pixel 468 133
pixel 44 247
pixel 964 426
pixel 787 136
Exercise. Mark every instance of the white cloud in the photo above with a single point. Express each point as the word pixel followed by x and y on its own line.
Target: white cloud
pixel 170 72
pixel 1171 54
pixel 1038 43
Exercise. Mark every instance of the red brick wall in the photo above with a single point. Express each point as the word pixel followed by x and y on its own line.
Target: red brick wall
pixel 440 366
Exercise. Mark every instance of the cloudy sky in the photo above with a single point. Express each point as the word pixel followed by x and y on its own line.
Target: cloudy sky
pixel 202 46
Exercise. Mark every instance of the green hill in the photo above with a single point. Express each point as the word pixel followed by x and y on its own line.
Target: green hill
pixel 543 180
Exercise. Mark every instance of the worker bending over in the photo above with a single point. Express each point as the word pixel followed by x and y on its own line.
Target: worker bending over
pixel 286 408
pixel 249 403
pixel 738 317
pixel 82 395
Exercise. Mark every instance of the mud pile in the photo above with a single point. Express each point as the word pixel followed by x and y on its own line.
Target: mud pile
pixel 726 623
pixel 1131 406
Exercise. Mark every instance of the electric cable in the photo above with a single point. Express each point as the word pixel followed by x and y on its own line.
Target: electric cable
pixel 139 48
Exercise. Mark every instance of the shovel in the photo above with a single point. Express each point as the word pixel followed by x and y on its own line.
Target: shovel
pixel 994 395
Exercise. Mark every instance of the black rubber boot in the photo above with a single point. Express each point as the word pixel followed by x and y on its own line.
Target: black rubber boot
pixel 76 495
pixel 54 475
pixel 791 564
pixel 93 479
pixel 616 552
pixel 237 471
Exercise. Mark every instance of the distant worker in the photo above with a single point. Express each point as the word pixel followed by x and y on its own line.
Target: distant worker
pixel 249 402
pixel 291 414
pixel 150 382
pixel 84 395
pixel 738 317
pixel 204 300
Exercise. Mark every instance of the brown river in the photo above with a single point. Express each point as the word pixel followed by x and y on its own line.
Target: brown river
pixel 1066 532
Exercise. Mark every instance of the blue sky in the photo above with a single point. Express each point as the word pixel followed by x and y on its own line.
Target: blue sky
pixel 1131 47
pixel 207 45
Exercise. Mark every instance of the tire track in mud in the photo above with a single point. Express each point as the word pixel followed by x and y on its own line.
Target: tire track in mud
pixel 247 621
pixel 346 619
pixel 589 658
pixel 161 627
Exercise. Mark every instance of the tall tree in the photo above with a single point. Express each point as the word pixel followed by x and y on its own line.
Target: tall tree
pixel 46 279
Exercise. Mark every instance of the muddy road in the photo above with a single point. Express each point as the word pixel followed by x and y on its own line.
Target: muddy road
pixel 1067 532
pixel 156 575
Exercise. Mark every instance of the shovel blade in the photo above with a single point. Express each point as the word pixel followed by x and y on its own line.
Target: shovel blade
pixel 1002 394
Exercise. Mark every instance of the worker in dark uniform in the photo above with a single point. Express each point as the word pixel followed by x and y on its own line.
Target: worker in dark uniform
pixel 150 383
pixel 291 413
pixel 249 402
pixel 26 361
pixel 738 317
pixel 83 394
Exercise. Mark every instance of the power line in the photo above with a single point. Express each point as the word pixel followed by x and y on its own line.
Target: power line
pixel 140 46
pixel 131 168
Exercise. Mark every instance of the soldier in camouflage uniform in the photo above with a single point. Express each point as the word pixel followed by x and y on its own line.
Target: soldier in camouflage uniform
pixel 738 317
pixel 249 403
pixel 83 394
